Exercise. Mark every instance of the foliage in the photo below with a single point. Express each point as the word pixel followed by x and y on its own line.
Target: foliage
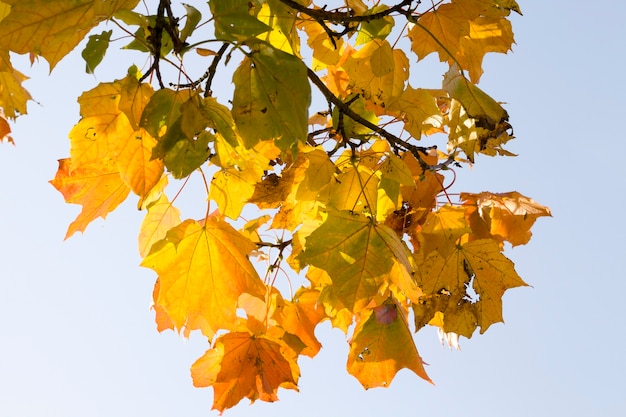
pixel 348 193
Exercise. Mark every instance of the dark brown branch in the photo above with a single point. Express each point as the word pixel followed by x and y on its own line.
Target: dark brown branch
pixel 344 18
pixel 345 109
pixel 155 42
pixel 213 69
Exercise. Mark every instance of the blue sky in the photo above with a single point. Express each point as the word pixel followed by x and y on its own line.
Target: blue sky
pixel 79 338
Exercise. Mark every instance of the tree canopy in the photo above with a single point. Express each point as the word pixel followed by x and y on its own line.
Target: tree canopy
pixel 328 170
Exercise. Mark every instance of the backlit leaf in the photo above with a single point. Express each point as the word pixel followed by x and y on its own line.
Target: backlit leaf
pixel 271 99
pixel 203 268
pixel 98 189
pixel 95 49
pixel 52 28
pixel 162 216
pixel 507 216
pixel 235 19
pixel 244 365
pixel 357 254
pixel 382 345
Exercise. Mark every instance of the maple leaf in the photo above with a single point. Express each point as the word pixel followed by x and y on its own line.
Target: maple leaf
pixel 105 132
pixel 245 365
pixel 52 28
pixel 99 190
pixel 506 216
pixel 300 316
pixel 382 345
pixel 463 32
pixel 418 109
pixel 475 266
pixel 358 255
pixel 377 71
pixel 203 268
pixel 13 97
pixel 161 217
pixel 271 98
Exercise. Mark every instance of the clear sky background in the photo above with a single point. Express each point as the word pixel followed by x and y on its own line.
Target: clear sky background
pixel 78 337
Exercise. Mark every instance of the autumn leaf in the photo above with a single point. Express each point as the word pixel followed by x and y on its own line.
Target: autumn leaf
pixel 507 216
pixel 99 190
pixel 463 32
pixel 382 345
pixel 475 267
pixel 245 365
pixel 271 98
pixel 377 71
pixel 161 217
pixel 203 268
pixel 357 254
pixel 418 109
pixel 301 316
pixel 52 28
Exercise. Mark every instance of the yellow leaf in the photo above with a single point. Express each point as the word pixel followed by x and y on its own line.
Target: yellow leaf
pixel 52 28
pixel 281 18
pixel 134 97
pixel 203 268
pixel 162 216
pixel 463 32
pixel 134 160
pixel 13 96
pixel 466 286
pixel 378 72
pixel 418 109
pixel 355 189
pixel 95 137
pixel 442 229
pixel 485 35
pixel 106 132
pixel 324 52
pixel 231 189
pixel 475 101
pixel 382 345
pixel 98 189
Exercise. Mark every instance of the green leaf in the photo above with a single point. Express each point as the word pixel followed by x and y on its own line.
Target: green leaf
pixel 187 155
pixel 376 28
pixel 476 102
pixel 193 18
pixel 235 19
pixel 162 110
pixel 219 118
pixel 95 49
pixel 359 256
pixel 271 98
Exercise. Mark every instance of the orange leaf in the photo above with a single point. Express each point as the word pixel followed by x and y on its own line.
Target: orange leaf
pixel 203 269
pixel 98 189
pixel 507 216
pixel 300 318
pixel 243 365
pixel 382 344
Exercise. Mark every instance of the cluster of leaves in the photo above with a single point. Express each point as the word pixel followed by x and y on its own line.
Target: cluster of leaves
pixel 347 196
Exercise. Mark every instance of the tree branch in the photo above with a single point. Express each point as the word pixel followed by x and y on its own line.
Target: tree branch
pixel 344 18
pixel 344 108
